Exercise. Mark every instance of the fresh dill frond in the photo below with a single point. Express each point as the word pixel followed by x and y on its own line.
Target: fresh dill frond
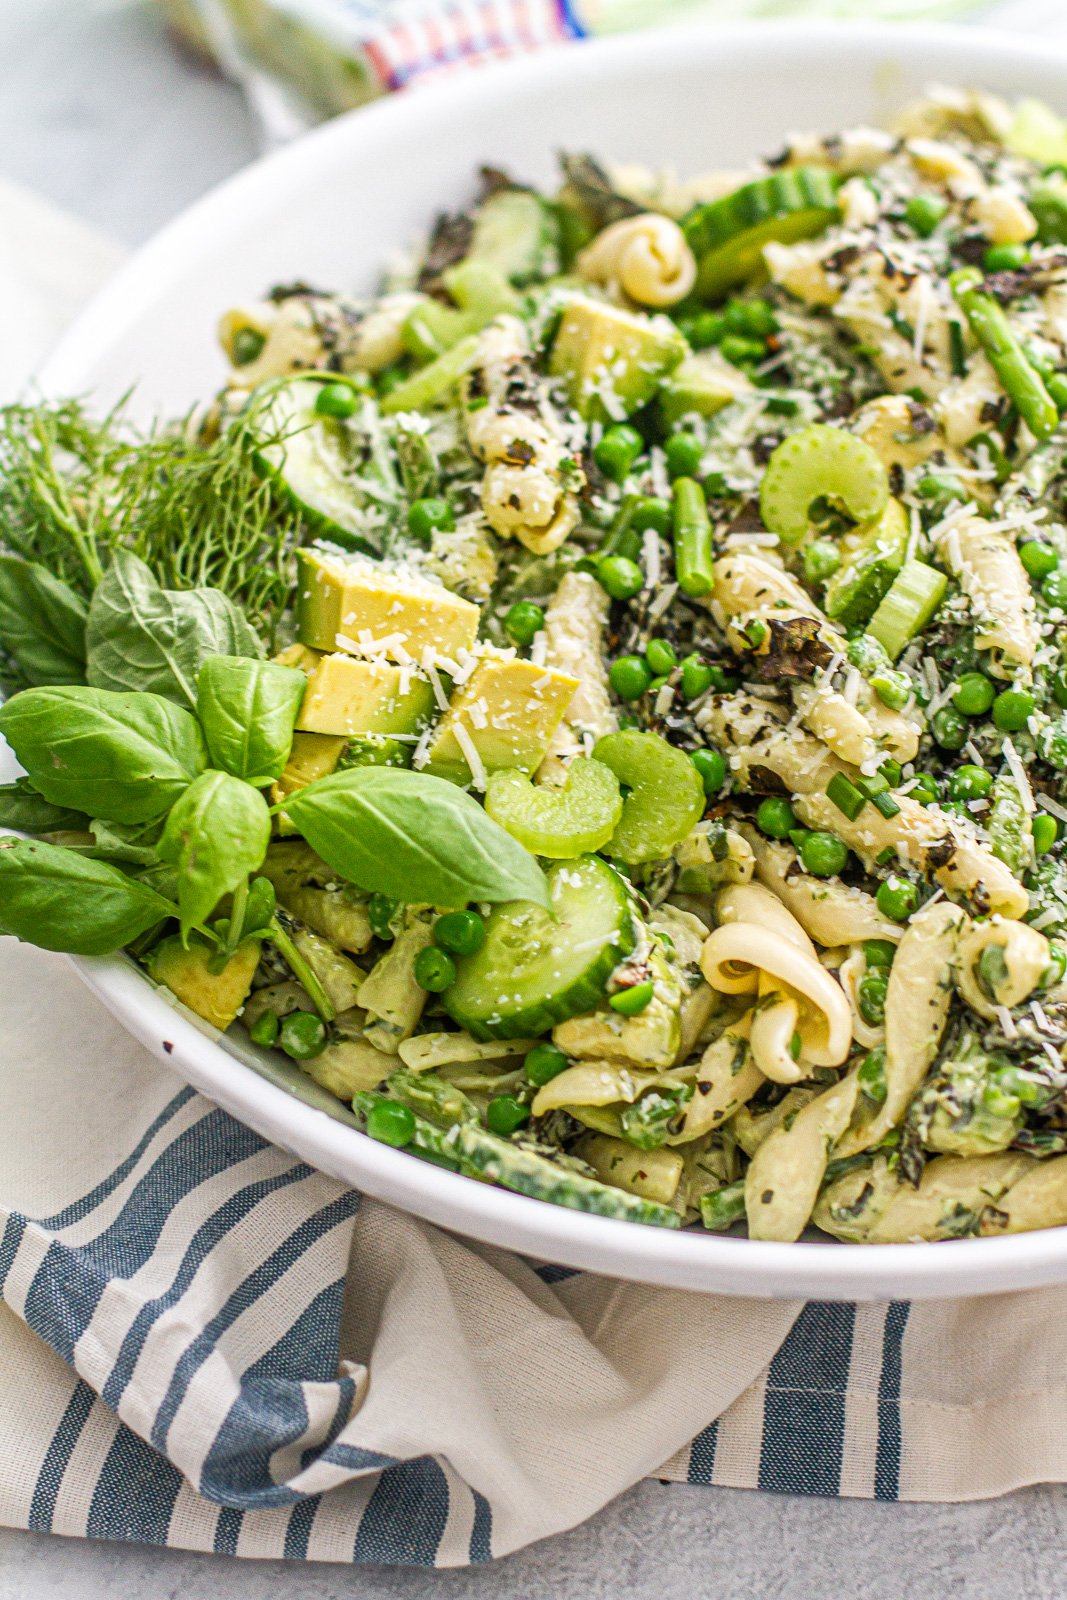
pixel 187 499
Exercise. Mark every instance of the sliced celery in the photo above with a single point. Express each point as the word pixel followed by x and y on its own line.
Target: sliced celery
pixel 821 463
pixel 915 595
pixel 559 823
pixel 428 386
pixel 666 794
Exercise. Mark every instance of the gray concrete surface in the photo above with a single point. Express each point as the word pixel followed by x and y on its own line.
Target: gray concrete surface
pixel 98 114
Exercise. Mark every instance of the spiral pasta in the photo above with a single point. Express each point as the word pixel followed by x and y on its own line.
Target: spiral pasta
pixel 1000 963
pixel 987 564
pixel 647 257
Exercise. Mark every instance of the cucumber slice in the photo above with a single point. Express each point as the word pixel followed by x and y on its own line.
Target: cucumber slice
pixel 518 234
pixel 876 556
pixel 727 236
pixel 558 823
pixel 535 970
pixel 307 457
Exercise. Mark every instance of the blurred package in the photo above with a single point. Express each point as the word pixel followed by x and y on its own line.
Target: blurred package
pixel 303 60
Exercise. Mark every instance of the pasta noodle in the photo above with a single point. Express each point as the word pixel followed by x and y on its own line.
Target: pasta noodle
pixel 1000 963
pixel 646 257
pixel 987 564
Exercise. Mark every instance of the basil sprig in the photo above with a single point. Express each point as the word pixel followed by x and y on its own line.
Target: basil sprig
pixel 126 757
pixel 42 623
pixel 216 834
pixel 23 809
pixel 141 636
pixel 61 900
pixel 414 837
pixel 248 710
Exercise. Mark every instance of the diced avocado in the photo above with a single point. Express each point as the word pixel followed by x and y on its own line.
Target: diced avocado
pixel 509 711
pixel 311 756
pixel 516 232
pixel 215 996
pixel 612 360
pixel 350 604
pixel 299 656
pixel 873 556
pixel 701 385
pixel 364 698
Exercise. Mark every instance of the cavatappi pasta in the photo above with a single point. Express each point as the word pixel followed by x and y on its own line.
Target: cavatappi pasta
pixel 700 545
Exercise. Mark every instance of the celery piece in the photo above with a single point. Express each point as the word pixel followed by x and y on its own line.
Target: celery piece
pixel 429 385
pixel 914 596
pixel 821 463
pixel 558 823
pixel 666 796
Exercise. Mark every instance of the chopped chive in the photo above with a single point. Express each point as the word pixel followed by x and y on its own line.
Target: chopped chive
pixel 885 804
pixel 845 796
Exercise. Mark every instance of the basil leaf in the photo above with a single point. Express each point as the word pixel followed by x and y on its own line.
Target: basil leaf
pixel 135 844
pixel 22 808
pixel 416 838
pixel 61 900
pixel 143 637
pixel 42 623
pixel 248 710
pixel 126 757
pixel 216 834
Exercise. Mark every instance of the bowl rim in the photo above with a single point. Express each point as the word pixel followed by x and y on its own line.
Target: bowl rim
pixel 684 1259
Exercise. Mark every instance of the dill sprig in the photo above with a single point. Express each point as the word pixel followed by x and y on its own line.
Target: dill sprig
pixel 187 499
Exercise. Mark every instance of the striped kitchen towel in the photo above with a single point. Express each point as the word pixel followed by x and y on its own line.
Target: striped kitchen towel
pixel 204 1343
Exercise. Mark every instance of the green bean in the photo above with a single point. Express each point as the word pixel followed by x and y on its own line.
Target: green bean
pixel 692 538
pixel 1021 382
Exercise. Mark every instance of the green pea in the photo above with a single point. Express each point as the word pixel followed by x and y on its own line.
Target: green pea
pixel 1046 830
pixel 756 318
pixel 923 212
pixel 739 351
pixel 247 345
pixel 716 487
pixel 434 970
pixel 1013 708
pixel 938 486
pixel 264 1031
pixel 1005 257
pixel 337 400
pixel 505 1115
pixel 1054 588
pixel 630 677
pixel 302 1035
pixel 949 728
pixel 381 909
pixel 651 512
pixel 823 854
pixel 697 677
pixel 391 1123
pixel 892 688
pixel 897 898
pixel 969 783
pixel 617 450
pixel 711 766
pixel 879 952
pixel 426 517
pixel 543 1063
pixel 925 790
pixel 630 1002
pixel 684 453
pixel 821 559
pixel 973 694
pixel 775 817
pixel 621 577
pixel 705 329
pixel 1038 558
pixel 870 997
pixel 523 622
pixel 871 1075
pixel 461 933
pixel 661 656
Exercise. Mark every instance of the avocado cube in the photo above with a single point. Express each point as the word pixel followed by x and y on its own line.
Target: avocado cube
pixel 215 996
pixel 506 712
pixel 701 385
pixel 612 360
pixel 363 698
pixel 359 606
pixel 311 756
pixel 298 656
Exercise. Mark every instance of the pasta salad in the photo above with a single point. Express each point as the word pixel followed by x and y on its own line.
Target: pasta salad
pixel 599 708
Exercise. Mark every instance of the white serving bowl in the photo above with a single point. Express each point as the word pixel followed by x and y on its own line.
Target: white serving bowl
pixel 329 209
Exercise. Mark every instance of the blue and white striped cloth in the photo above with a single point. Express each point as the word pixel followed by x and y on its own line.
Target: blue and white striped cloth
pixel 204 1343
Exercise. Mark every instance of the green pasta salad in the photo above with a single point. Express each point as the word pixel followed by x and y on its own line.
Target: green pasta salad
pixel 599 707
